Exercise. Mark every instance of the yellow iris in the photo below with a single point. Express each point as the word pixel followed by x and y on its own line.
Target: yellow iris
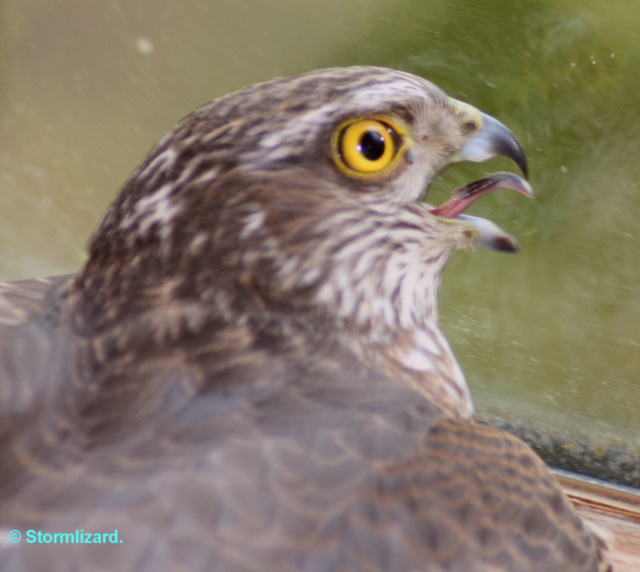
pixel 367 146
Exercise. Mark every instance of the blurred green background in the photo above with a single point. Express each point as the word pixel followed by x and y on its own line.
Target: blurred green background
pixel 550 336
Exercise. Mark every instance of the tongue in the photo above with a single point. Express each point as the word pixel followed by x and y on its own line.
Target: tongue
pixel 468 194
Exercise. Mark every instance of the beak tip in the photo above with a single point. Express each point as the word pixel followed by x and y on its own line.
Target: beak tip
pixel 509 246
pixel 519 158
pixel 504 243
pixel 506 144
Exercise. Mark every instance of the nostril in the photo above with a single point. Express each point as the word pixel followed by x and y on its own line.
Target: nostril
pixel 469 127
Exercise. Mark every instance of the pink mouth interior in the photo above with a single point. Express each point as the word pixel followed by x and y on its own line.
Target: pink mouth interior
pixel 467 195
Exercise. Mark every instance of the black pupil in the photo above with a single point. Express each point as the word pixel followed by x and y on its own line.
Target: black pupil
pixel 372 145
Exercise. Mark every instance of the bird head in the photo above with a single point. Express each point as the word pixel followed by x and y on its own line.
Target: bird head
pixel 304 190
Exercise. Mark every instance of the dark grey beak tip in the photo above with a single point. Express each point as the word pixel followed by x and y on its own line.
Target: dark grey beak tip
pixel 507 245
pixel 515 152
pixel 506 144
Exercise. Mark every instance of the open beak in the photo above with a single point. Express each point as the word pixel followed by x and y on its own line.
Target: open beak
pixel 493 139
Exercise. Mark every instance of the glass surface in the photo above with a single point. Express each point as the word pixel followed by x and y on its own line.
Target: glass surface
pixel 549 336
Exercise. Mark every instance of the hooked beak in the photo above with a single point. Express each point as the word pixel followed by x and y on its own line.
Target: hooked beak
pixel 492 139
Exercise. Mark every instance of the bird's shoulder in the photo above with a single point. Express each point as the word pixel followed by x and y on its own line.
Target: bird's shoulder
pixel 24 300
pixel 27 346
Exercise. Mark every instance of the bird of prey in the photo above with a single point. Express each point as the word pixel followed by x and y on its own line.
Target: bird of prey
pixel 248 372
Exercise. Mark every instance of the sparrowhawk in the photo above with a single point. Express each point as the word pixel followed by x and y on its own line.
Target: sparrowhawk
pixel 248 373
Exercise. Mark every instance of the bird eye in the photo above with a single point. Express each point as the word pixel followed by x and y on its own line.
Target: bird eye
pixel 367 146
